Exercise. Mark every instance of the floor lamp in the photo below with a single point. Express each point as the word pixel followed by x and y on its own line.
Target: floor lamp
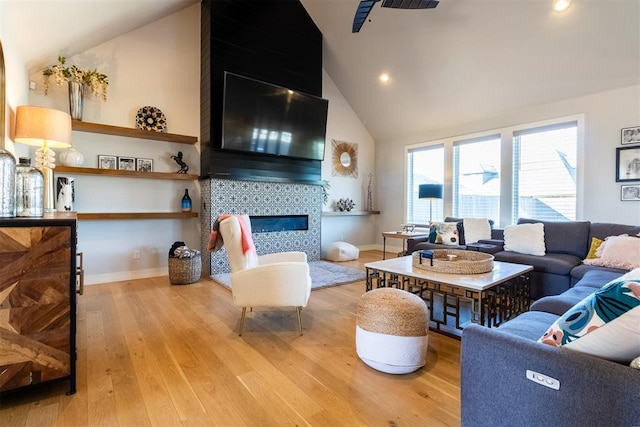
pixel 430 191
pixel 47 129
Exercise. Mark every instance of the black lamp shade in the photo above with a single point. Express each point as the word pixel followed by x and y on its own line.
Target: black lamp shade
pixel 430 191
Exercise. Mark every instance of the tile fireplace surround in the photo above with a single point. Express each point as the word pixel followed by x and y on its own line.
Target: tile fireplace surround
pixel 254 198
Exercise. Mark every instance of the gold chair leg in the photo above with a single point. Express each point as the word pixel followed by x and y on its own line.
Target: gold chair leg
pixel 244 312
pixel 298 311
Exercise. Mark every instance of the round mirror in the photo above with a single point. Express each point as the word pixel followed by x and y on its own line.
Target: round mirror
pixel 345 159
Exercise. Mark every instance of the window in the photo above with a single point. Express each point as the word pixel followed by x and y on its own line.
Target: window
pixel 425 165
pixel 523 171
pixel 544 173
pixel 476 178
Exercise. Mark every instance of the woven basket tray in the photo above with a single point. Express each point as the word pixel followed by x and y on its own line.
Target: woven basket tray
pixel 183 271
pixel 463 262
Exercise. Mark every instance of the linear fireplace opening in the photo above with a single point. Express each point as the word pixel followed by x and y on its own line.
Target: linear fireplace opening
pixel 273 223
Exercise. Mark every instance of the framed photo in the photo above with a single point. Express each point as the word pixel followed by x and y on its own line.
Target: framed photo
pixel 126 163
pixel 107 162
pixel 627 164
pixel 630 135
pixel 144 165
pixel 630 192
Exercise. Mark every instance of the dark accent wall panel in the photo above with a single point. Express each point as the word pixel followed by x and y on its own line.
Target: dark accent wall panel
pixel 270 40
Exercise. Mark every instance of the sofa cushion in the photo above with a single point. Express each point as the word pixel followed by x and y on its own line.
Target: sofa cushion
pixel 529 325
pixel 591 282
pixel 578 272
pixel 426 245
pixel 602 230
pixel 605 324
pixel 618 252
pixel 525 239
pixel 550 263
pixel 564 237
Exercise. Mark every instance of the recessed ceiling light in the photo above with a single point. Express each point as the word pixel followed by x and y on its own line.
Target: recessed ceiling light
pixel 561 5
pixel 384 78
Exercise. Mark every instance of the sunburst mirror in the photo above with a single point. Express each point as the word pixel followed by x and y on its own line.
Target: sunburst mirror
pixel 344 159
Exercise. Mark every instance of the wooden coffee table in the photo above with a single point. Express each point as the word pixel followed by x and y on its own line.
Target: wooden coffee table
pixel 495 297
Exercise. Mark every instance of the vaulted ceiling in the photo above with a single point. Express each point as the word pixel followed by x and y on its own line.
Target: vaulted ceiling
pixel 463 61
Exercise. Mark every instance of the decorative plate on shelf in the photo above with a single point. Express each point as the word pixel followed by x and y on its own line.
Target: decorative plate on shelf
pixel 151 118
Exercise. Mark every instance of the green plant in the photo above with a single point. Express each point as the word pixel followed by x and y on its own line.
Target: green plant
pixel 95 81
pixel 325 191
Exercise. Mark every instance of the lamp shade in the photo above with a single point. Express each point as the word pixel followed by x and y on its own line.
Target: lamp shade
pixel 37 125
pixel 430 191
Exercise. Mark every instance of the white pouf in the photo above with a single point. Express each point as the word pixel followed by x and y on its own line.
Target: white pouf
pixel 392 330
pixel 342 251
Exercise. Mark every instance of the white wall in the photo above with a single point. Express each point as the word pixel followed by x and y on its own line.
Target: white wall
pixel 344 125
pixel 605 114
pixel 156 65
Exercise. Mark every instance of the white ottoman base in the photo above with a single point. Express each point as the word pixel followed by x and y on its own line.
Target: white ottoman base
pixel 389 353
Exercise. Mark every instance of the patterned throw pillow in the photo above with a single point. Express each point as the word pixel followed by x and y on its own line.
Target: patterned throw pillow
pixel 605 324
pixel 595 244
pixel 445 233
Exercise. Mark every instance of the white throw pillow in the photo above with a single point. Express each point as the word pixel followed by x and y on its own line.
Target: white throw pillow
pixel 476 229
pixel 525 239
pixel 618 252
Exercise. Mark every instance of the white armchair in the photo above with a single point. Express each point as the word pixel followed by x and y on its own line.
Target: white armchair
pixel 273 280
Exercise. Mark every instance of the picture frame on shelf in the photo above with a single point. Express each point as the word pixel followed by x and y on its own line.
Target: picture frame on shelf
pixel 630 135
pixel 144 165
pixel 627 164
pixel 126 163
pixel 630 193
pixel 107 162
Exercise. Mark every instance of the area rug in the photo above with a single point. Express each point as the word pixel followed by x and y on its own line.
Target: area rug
pixel 323 274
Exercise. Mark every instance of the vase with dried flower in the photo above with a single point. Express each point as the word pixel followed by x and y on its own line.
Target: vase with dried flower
pixel 77 79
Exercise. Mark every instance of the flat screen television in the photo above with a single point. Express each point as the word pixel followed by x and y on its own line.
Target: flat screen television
pixel 264 118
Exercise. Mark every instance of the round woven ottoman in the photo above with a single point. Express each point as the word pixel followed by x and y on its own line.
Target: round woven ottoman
pixel 391 330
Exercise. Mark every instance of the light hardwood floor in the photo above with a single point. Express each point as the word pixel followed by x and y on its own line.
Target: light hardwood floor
pixel 150 353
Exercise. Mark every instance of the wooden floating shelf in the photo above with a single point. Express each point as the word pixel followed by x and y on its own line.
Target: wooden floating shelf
pixel 351 213
pixel 131 132
pixel 126 174
pixel 138 215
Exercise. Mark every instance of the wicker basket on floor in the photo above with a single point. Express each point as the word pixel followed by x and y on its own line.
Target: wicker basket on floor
pixel 455 261
pixel 183 271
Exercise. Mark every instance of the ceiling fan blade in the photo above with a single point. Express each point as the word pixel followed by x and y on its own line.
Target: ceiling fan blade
pixel 361 14
pixel 410 4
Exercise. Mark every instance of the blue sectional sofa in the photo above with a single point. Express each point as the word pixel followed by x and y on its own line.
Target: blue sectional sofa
pixel 497 364
pixel 567 244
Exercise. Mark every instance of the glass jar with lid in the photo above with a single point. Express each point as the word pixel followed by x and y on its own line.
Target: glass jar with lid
pixel 29 189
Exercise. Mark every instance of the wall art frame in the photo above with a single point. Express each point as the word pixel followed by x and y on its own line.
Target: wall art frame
pixel 630 193
pixel 627 164
pixel 107 161
pixel 630 135
pixel 126 163
pixel 144 165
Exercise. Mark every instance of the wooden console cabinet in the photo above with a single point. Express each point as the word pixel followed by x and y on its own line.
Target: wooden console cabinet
pixel 37 301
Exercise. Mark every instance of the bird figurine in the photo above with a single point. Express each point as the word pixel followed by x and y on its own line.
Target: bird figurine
pixel 183 166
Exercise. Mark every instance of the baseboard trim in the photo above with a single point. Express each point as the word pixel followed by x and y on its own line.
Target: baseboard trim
pixel 122 276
